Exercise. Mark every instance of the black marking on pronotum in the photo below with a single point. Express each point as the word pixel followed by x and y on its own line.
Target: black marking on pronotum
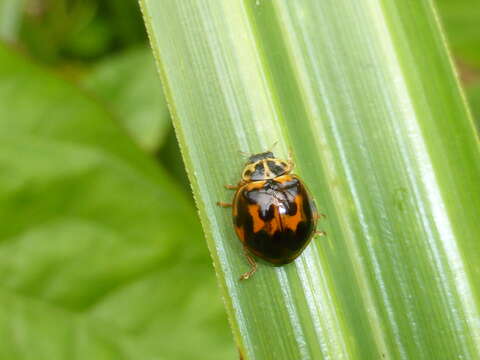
pixel 275 168
pixel 261 156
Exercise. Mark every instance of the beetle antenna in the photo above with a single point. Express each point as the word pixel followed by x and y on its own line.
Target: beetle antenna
pixel 243 153
pixel 273 146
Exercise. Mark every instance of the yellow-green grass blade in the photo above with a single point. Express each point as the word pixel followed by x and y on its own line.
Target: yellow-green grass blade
pixel 364 94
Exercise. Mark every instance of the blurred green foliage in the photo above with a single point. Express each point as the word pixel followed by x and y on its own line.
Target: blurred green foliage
pixel 127 84
pixel 474 98
pixel 56 31
pixel 461 19
pixel 101 252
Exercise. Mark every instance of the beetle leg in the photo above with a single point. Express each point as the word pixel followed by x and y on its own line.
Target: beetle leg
pixel 320 216
pixel 224 204
pixel 320 233
pixel 231 187
pixel 251 262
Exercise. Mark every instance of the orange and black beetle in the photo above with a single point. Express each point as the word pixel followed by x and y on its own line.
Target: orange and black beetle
pixel 273 213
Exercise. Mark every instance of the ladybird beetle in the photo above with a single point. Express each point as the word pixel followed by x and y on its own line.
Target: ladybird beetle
pixel 273 213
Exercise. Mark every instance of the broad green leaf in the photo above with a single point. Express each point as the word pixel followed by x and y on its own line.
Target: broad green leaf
pixel 128 83
pixel 101 255
pixel 363 94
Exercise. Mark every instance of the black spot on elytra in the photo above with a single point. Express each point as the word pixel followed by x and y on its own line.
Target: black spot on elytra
pixel 285 244
pixel 248 172
pixel 266 245
pixel 280 248
pixel 292 208
pixel 304 231
pixel 243 218
pixel 307 206
pixel 266 213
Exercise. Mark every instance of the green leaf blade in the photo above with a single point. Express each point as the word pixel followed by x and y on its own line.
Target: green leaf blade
pixel 365 96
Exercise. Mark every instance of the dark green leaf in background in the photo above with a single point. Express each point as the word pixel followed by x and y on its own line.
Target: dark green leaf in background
pixel 128 84
pixel 462 24
pixel 101 255
pixel 474 98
